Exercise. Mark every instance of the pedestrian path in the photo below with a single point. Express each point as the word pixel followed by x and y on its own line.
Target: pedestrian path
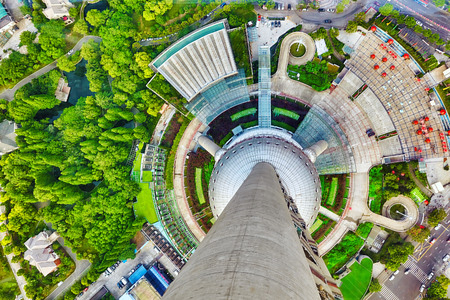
pixel 415 270
pixel 388 294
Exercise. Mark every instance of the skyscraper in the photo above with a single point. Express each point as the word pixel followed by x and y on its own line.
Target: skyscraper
pixel 259 247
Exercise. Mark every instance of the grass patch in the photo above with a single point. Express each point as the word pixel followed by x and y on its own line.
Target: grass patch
pixel 297 50
pixel 418 196
pixel 316 225
pixel 198 186
pixel 333 190
pixel 144 206
pixel 315 74
pixel 147 176
pixel 283 125
pixel 137 163
pixel 243 113
pixel 284 112
pixel 355 284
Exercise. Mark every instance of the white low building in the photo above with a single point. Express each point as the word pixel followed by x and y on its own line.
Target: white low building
pixel 57 9
pixel 40 253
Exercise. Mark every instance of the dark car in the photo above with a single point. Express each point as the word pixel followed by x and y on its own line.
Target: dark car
pixel 328 21
pixel 289 7
pixel 120 285
pixel 321 10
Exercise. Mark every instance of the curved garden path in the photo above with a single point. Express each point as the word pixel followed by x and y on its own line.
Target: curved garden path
pixel 422 188
pixel 9 93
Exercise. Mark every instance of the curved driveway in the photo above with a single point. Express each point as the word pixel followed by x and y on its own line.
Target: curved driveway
pixel 9 93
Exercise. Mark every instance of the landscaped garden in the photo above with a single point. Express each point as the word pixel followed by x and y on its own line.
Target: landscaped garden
pixel 314 73
pixel 249 111
pixel 297 49
pixel 397 212
pixel 337 257
pixel 199 186
pixel 355 284
pixel 335 189
pixel 241 55
pixel 8 284
pixel 321 228
pixel 147 176
pixel 387 181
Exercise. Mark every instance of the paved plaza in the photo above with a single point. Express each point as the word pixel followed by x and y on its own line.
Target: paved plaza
pixel 402 95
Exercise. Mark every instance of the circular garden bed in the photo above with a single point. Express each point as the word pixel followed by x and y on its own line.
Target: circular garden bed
pixel 298 50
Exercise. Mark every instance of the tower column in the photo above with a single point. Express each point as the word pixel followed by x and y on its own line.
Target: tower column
pixel 315 150
pixel 209 146
pixel 251 252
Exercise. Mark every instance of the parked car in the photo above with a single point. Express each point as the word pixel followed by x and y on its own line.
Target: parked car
pixel 70 52
pixel 430 275
pixel 120 285
pixel 321 10
pixel 438 226
pixel 396 272
pixel 330 10
pixel 392 277
pixel 328 21
pixel 446 257
pixel 407 271
pixel 422 288
pixel 289 7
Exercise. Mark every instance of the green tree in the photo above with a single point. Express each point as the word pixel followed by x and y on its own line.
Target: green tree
pixel 439 3
pixel 67 63
pixel 345 2
pixel 386 9
pixel 73 12
pixel 434 38
pixel 410 22
pixel 334 32
pixel 27 37
pixel 154 8
pixel 447 46
pixel 340 8
pixel 427 33
pixel 398 254
pixel 374 286
pixel 96 18
pixel 438 289
pixel 81 27
pixel 436 216
pixel 418 29
pixel 351 27
pixel 418 234
pixel 395 13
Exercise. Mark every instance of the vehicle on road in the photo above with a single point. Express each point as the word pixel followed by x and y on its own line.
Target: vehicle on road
pixel 433 241
pixel 406 271
pixel 223 4
pixel 396 272
pixel 448 239
pixel 328 21
pixel 438 226
pixel 376 3
pixel 85 290
pixel 446 257
pixel 422 288
pixel 430 275
pixel 289 7
pixel 321 10
pixel 330 10
pixel 120 285
pixel 392 277
pixel 70 52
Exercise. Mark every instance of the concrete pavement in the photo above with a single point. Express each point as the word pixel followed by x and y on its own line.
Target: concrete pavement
pixel 9 93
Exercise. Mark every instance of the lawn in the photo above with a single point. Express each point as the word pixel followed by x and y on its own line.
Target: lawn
pixel 333 191
pixel 243 113
pixel 316 225
pixel 137 163
pixel 298 50
pixel 355 284
pixel 418 196
pixel 144 206
pixel 8 285
pixel 198 186
pixel 284 112
pixel 147 176
pixel 240 51
pixel 342 252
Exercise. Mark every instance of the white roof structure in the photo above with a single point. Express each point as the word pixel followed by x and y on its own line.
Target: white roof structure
pixel 40 253
pixel 297 173
pixel 56 8
pixel 7 136
pixel 197 60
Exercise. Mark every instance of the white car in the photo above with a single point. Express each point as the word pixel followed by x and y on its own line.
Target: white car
pixel 407 271
pixel 396 272
pixel 392 277
pixel 430 275
pixel 70 52
pixel 438 226
pixel 446 257
pixel 422 288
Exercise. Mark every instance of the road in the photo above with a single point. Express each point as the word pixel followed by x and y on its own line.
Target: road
pixel 427 258
pixel 9 93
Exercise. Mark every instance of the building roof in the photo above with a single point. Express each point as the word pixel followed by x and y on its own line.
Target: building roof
pixel 62 90
pixel 143 290
pixel 56 8
pixel 157 280
pixel 137 275
pixel 39 241
pixel 40 253
pixel 197 60
pixel 2 11
pixel 297 173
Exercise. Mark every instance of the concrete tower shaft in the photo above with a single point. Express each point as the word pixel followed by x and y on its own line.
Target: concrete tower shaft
pixel 251 252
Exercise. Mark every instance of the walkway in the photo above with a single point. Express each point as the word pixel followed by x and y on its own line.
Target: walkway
pixel 186 144
pixel 81 268
pixel 329 214
pixel 419 183
pixel 9 93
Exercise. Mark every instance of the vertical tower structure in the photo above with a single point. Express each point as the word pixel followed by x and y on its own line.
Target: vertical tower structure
pixel 252 251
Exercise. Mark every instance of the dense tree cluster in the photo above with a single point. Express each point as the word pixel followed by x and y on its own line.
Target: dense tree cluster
pixel 419 234
pixel 436 216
